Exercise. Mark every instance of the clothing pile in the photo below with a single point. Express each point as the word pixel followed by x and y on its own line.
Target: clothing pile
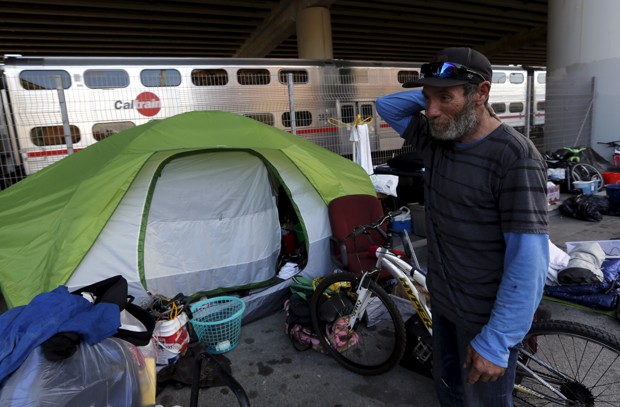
pixel 77 348
pixel 584 276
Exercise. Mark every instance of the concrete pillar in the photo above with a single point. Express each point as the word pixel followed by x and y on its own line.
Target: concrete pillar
pixel 314 33
pixel 582 42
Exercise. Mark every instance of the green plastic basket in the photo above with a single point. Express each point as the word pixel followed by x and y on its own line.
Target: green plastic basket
pixel 217 322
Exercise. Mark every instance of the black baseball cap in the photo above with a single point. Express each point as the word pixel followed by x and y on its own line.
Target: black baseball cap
pixel 453 67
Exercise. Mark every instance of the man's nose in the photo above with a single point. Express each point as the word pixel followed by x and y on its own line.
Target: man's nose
pixel 431 109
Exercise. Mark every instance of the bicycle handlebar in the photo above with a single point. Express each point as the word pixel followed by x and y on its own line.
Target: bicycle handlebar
pixel 615 143
pixel 389 216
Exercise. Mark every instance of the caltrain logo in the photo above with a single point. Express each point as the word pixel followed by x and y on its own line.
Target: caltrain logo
pixel 146 103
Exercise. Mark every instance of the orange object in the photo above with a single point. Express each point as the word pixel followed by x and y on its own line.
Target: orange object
pixel 611 177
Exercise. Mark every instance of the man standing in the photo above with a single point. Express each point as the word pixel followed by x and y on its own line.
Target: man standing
pixel 486 222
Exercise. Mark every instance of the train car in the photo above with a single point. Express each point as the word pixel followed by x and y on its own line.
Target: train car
pixel 54 106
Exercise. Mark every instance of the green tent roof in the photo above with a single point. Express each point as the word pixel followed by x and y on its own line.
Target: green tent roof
pixel 49 221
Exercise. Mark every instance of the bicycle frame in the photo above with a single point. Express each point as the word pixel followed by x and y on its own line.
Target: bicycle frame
pixel 405 274
pixel 401 270
pixel 520 365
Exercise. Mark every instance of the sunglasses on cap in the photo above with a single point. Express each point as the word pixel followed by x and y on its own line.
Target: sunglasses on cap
pixel 449 70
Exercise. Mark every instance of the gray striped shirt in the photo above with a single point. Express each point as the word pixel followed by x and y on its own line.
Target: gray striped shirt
pixel 474 193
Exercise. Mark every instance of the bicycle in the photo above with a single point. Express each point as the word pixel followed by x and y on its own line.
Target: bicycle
pixel 570 159
pixel 560 362
pixel 616 146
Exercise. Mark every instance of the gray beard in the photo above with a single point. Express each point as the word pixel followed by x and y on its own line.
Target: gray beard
pixel 464 122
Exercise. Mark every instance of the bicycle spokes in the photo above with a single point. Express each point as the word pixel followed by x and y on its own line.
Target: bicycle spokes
pixel 568 364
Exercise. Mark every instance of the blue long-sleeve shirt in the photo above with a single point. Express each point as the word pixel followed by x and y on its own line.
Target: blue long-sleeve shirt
pixel 525 262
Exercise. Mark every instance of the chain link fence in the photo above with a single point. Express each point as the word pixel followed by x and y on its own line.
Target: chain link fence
pixel 568 111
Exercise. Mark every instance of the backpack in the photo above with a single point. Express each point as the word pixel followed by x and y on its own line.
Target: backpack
pixel 298 324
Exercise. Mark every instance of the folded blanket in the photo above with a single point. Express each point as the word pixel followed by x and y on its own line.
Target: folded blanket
pixel 584 266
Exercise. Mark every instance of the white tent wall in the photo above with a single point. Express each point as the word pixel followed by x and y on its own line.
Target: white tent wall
pixel 212 222
pixel 169 271
pixel 116 249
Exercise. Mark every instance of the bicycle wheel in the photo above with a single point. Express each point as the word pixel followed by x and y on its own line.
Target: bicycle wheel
pixel 586 172
pixel 376 343
pixel 582 364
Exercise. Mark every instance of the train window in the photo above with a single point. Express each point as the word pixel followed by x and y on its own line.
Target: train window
pixel 542 77
pixel 407 76
pixel 266 118
pixel 209 77
pixel 515 107
pixel 517 77
pixel 347 114
pixel 160 77
pixel 540 106
pixel 41 80
pixel 106 78
pixel 53 135
pixel 302 118
pixel 253 77
pixel 499 107
pixel 366 111
pixel 103 130
pixel 498 77
pixel 299 76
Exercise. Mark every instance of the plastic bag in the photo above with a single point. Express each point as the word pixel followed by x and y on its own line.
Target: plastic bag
pixel 585 207
pixel 111 373
pixel 385 184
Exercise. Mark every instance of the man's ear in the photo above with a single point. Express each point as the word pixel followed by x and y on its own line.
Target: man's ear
pixel 481 95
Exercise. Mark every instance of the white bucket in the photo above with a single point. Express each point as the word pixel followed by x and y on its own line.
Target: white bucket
pixel 172 339
pixel 587 187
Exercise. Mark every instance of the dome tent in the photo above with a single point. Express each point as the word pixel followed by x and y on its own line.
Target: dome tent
pixel 185 204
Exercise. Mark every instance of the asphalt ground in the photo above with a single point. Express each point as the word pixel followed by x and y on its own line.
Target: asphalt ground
pixel 273 373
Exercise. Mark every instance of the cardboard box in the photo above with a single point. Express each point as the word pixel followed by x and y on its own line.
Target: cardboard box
pixel 553 193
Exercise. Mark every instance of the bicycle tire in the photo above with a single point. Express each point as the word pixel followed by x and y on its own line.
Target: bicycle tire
pixel 586 172
pixel 377 342
pixel 588 357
